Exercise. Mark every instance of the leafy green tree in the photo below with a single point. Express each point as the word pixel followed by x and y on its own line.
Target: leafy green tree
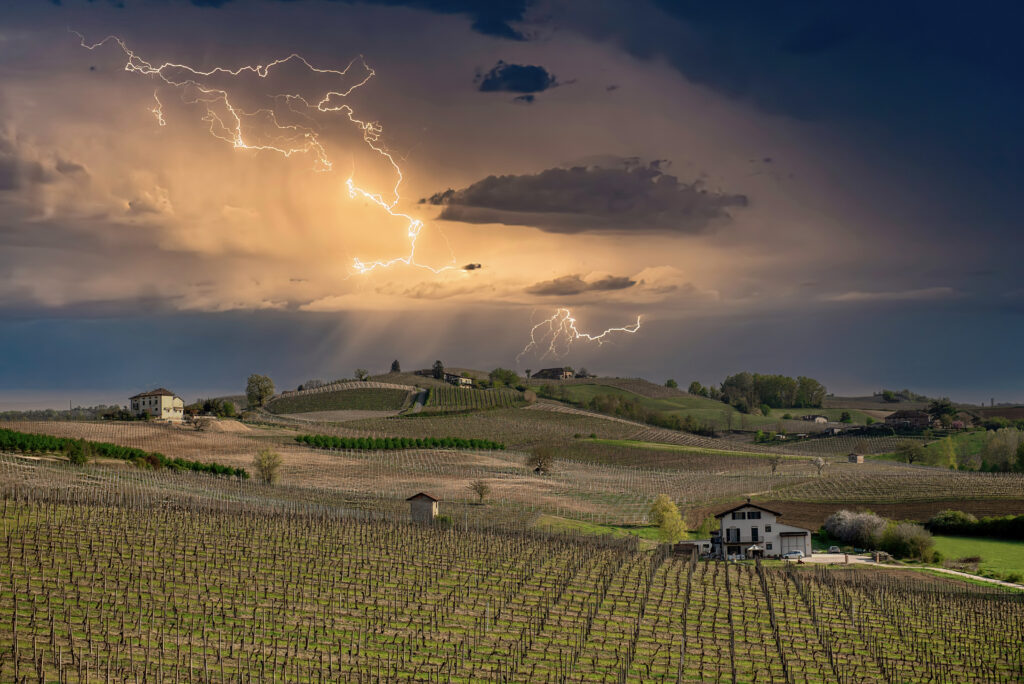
pixel 504 376
pixel 845 417
pixel 889 396
pixel 671 528
pixel 362 374
pixel 439 370
pixel 396 367
pixel 259 390
pixel 266 464
pixel 941 407
pixel 78 451
pixel 947 454
pixel 659 507
pixel 671 384
pixel 910 451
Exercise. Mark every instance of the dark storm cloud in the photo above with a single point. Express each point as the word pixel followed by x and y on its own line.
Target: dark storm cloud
pixel 631 198
pixel 574 285
pixel 516 78
pixel 17 169
pixel 490 17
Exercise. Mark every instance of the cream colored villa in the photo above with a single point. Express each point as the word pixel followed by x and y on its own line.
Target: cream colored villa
pixel 749 531
pixel 160 403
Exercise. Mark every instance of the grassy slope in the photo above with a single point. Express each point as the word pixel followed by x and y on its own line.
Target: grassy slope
pixel 554 523
pixel 675 447
pixel 997 555
pixel 700 408
pixel 369 399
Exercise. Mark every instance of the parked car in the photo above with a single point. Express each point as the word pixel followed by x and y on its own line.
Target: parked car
pixel 793 554
pixel 834 549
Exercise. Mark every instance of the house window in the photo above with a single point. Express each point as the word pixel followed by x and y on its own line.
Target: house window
pixel 768 546
pixel 753 515
pixel 753 534
pixel 767 529
pixel 739 515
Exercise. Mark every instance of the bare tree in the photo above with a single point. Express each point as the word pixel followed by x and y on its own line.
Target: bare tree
pixel 819 463
pixel 480 488
pixel 541 460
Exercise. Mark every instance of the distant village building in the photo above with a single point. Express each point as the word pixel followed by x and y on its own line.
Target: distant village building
pixel 914 420
pixel 553 374
pixel 458 380
pixel 817 419
pixel 160 403
pixel 749 531
pixel 855 458
pixel 423 507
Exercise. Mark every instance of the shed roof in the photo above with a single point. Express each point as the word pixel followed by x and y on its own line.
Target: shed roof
pixel 422 495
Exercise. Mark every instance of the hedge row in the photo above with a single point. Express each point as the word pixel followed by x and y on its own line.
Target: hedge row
pixel 962 524
pixel 392 443
pixel 12 440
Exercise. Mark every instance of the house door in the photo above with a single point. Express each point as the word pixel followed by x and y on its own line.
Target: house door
pixel 792 543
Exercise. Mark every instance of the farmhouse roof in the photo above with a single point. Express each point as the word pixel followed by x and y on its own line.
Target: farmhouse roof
pixel 422 495
pixel 747 505
pixel 159 392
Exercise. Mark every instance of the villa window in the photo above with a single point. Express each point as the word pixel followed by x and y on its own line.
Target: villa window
pixel 767 529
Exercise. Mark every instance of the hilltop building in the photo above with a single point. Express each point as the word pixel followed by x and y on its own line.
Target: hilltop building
pixel 458 380
pixel 915 420
pixel 553 374
pixel 159 403
pixel 749 531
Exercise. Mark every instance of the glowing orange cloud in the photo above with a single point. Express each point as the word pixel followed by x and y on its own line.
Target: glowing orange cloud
pixel 227 125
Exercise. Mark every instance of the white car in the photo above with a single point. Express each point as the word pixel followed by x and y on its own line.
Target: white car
pixel 793 554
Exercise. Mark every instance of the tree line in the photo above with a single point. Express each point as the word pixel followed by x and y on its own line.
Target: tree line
pixel 631 409
pixel 751 391
pixel 394 443
pixel 79 451
pixel 961 524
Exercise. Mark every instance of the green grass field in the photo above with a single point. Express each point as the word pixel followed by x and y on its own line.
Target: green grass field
pixel 997 555
pixel 369 399
pixel 555 523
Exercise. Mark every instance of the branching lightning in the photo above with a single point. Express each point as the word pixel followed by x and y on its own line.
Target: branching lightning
pixel 557 333
pixel 227 122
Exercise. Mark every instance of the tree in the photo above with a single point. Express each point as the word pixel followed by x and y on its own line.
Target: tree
pixel 583 373
pixel 439 370
pixel 266 465
pixel 941 407
pixel 503 376
pixel 541 460
pixel 845 417
pixel 396 367
pixel 362 374
pixel 78 451
pixel 910 451
pixel 259 390
pixel 889 396
pixel 480 488
pixel 1019 465
pixel 672 528
pixel 947 453
pixel 671 384
pixel 819 463
pixel 659 507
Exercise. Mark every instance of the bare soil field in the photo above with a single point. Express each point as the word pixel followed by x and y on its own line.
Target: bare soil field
pixel 341 416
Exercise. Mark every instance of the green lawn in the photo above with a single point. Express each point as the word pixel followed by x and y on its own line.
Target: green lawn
pixel 997 555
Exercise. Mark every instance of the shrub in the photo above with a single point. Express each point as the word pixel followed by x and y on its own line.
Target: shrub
pixel 443 521
pixel 906 540
pixel 266 464
pixel 860 529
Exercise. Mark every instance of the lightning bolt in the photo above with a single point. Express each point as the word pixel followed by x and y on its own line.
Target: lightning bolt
pixel 230 123
pixel 559 332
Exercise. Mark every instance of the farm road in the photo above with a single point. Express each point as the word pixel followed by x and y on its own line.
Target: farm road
pixel 418 401
pixel 838 558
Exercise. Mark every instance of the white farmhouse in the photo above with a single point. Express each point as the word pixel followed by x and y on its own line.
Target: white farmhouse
pixel 160 403
pixel 749 531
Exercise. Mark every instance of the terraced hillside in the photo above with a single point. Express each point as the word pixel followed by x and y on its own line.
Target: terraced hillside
pixel 449 398
pixel 131 592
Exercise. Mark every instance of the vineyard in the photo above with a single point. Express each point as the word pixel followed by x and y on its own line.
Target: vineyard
pixel 116 585
pixel 392 443
pixel 461 398
pixel 359 398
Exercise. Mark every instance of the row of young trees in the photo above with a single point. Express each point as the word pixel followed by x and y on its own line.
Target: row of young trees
pixel 80 451
pixel 393 443
pixel 963 524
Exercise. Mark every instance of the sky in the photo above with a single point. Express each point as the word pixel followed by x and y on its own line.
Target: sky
pixel 193 191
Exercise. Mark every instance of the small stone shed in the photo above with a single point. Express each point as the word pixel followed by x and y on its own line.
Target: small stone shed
pixel 423 507
pixel 855 458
